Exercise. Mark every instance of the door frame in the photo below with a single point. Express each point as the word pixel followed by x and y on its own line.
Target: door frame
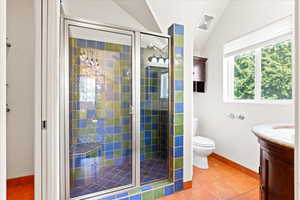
pixel 297 98
pixel 48 144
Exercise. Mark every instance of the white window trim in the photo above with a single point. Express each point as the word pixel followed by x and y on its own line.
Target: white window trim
pixel 228 74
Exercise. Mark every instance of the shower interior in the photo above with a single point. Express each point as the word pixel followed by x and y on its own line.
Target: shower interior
pixel 154 108
pixel 102 139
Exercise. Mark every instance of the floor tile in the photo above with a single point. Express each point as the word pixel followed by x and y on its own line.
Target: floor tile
pixel 219 182
pixel 242 183
pixel 23 192
pixel 251 195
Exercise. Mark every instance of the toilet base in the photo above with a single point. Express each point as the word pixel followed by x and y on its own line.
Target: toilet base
pixel 200 162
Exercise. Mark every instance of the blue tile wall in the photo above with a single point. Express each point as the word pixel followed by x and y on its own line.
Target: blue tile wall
pixel 100 125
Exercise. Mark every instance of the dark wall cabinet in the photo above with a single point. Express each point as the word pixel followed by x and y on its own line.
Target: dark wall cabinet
pixel 276 171
pixel 199 74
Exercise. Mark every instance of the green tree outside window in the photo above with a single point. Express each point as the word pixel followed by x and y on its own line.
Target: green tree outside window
pixel 276 73
pixel 244 76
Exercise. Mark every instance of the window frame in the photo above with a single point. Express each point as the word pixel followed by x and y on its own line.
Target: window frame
pixel 228 73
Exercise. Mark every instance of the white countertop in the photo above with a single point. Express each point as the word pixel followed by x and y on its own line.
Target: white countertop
pixel 282 134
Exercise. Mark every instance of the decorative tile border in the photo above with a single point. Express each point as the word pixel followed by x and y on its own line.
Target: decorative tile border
pixel 176 32
pixel 148 192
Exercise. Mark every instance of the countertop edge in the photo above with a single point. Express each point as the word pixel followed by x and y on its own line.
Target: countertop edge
pixel 259 134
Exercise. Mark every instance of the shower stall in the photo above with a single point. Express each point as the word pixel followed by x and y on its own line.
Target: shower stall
pixel 115 108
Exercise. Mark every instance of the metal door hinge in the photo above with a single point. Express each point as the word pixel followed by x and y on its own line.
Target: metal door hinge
pixel 44 124
pixel 131 109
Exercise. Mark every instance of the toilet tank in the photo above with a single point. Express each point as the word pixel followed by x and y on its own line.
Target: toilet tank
pixel 195 126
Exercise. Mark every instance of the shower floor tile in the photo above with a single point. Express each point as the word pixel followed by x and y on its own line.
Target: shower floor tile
pixel 153 170
pixel 117 176
pixel 106 178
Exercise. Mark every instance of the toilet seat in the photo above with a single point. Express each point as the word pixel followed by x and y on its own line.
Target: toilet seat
pixel 200 141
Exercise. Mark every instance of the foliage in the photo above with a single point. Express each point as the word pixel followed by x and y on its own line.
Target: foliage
pixel 244 76
pixel 276 73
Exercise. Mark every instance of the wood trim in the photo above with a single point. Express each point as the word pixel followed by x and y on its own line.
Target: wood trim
pixel 38 77
pixel 236 165
pixel 20 181
pixel 201 59
pixel 187 185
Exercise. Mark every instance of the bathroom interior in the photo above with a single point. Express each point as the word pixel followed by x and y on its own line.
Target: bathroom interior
pixel 193 103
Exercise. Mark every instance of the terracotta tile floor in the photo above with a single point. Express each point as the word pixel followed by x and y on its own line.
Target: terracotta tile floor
pixel 219 182
pixel 20 192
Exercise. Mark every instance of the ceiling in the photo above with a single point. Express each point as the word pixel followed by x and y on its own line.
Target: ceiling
pixel 213 8
pixel 140 10
pixel 158 15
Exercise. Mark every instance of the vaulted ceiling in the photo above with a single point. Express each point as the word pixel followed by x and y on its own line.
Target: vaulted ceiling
pixel 140 10
pixel 157 15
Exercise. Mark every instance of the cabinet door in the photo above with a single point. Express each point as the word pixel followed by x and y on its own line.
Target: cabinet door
pixel 277 179
pixel 199 69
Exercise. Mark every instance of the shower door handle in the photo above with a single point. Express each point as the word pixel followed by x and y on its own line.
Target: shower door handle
pixel 131 109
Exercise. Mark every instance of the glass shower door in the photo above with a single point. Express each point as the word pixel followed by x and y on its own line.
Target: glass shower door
pixel 100 136
pixel 154 98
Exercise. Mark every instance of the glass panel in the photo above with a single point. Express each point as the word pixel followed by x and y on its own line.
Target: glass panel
pixel 276 62
pixel 244 76
pixel 154 108
pixel 100 124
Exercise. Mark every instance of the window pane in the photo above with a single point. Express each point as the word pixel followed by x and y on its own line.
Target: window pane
pixel 244 76
pixel 277 71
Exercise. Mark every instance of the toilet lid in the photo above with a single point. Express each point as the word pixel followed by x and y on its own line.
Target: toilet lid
pixel 203 141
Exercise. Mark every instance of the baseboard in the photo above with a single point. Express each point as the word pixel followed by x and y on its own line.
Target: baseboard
pixel 187 185
pixel 20 181
pixel 236 165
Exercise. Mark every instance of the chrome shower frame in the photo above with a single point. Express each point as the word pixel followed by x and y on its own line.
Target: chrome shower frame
pixel 66 22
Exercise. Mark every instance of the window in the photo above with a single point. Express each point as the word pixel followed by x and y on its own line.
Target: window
pixel 258 66
pixel 276 71
pixel 262 74
pixel 244 75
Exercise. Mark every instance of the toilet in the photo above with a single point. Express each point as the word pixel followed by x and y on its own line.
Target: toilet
pixel 202 147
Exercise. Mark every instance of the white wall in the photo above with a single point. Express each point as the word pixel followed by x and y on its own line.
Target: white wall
pixel 2 100
pixel 234 139
pixel 20 79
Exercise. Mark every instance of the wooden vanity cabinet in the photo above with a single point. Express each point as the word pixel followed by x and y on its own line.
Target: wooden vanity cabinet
pixel 276 171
